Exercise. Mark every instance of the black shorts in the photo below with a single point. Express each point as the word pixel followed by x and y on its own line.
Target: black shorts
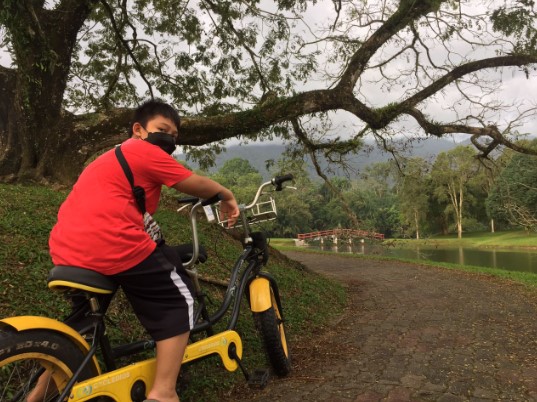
pixel 160 292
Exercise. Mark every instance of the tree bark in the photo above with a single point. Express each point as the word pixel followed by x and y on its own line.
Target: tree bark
pixel 33 130
pixel 457 206
pixel 417 223
pixel 9 159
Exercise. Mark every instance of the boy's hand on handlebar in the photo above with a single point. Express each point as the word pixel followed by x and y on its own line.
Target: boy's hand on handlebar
pixel 230 211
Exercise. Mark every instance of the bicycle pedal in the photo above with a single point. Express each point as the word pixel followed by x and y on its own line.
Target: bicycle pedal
pixel 259 378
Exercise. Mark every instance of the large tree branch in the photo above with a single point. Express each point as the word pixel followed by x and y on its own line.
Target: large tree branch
pixel 203 130
pixel 68 18
pixel 407 12
pixel 465 69
pixel 242 42
pixel 102 130
pixel 95 128
pixel 207 129
pixel 491 132
pixel 72 8
pixel 125 44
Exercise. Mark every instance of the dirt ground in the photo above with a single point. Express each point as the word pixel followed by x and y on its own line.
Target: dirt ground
pixel 414 333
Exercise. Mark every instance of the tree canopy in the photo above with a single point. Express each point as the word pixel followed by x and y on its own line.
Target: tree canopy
pixel 412 183
pixel 514 195
pixel 72 69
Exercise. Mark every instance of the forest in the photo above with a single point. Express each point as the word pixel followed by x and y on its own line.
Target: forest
pixel 403 198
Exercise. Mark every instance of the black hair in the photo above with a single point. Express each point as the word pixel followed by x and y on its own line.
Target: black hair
pixel 151 108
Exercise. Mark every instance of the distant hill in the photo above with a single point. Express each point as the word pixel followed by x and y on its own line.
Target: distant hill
pixel 257 154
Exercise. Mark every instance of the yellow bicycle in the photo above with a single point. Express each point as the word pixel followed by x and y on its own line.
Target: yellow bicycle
pixel 37 348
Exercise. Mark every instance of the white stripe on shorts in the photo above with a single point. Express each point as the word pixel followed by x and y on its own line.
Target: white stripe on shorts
pixel 176 278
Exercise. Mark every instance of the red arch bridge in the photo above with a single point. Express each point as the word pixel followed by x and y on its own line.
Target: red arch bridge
pixel 336 235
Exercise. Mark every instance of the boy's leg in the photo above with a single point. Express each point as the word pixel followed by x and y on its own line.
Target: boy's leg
pixel 44 387
pixel 160 292
pixel 169 357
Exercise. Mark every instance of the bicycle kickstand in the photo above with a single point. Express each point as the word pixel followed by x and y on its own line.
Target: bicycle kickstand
pixel 259 378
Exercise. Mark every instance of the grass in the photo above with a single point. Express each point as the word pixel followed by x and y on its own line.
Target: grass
pixel 528 279
pixel 279 243
pixel 509 239
pixel 27 214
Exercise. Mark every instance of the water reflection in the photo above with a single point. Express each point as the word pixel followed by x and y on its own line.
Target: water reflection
pixel 525 261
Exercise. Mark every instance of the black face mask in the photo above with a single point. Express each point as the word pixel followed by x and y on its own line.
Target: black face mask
pixel 163 140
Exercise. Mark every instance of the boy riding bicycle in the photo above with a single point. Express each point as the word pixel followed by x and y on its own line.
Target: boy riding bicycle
pixel 103 226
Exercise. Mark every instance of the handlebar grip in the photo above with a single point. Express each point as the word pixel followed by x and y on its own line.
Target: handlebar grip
pixel 279 180
pixel 213 200
pixel 188 200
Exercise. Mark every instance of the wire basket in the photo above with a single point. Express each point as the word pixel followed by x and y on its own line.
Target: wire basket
pixel 263 211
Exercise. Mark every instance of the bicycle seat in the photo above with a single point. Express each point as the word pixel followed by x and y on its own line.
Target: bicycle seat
pixel 66 277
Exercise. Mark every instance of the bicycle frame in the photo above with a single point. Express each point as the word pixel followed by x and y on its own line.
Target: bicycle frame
pixel 120 383
pixel 131 382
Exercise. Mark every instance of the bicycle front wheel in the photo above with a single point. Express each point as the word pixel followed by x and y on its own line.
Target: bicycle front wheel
pixel 36 361
pixel 270 325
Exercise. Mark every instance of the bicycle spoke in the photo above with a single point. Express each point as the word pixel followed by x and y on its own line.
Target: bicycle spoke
pixel 16 374
pixel 20 378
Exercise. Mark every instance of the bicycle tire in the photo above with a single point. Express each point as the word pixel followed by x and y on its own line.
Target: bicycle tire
pixel 269 323
pixel 24 354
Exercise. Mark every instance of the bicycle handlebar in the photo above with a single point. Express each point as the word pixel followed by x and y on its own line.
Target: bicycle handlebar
pixel 213 200
pixel 194 200
pixel 188 200
pixel 277 182
pixel 198 203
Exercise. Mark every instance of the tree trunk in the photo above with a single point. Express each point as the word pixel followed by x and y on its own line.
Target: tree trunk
pixel 459 211
pixel 459 223
pixel 417 223
pixel 24 131
pixel 37 140
pixel 9 150
pixel 70 142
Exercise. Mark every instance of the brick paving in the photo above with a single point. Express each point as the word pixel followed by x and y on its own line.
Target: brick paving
pixel 414 333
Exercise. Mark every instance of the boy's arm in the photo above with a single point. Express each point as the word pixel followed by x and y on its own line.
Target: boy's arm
pixel 203 187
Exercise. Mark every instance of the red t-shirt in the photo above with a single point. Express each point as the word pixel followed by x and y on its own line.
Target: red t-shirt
pixel 99 225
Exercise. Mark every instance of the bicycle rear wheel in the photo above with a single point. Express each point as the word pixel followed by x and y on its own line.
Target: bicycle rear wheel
pixel 270 325
pixel 37 355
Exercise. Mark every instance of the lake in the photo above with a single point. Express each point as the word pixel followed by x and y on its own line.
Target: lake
pixel 512 260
